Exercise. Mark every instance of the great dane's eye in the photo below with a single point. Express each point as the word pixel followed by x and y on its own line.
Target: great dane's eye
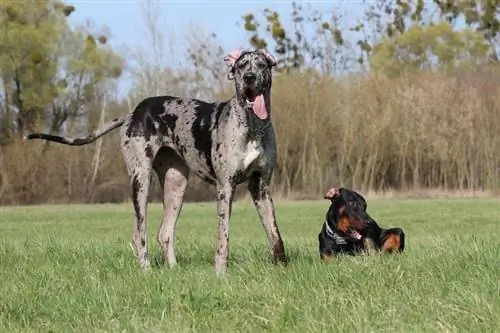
pixel 261 65
pixel 242 64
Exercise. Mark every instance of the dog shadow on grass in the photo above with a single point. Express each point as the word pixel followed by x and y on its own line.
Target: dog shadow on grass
pixel 253 255
pixel 256 257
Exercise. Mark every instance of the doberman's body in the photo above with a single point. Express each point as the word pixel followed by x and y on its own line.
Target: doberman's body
pixel 349 229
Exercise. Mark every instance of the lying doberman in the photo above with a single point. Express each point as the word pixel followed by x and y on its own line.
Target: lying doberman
pixel 349 229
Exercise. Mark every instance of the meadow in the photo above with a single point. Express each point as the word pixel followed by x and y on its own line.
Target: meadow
pixel 70 268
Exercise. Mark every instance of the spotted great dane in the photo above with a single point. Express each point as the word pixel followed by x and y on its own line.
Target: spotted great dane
pixel 224 143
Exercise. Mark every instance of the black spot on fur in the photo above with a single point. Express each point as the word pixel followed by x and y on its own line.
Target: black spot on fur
pixel 149 112
pixel 203 126
pixel 79 141
pixel 209 180
pixel 238 178
pixel 204 177
pixel 201 131
pixel 219 112
pixel 182 151
pixel 150 128
pixel 176 140
pixel 149 152
pixel 170 120
pixel 136 187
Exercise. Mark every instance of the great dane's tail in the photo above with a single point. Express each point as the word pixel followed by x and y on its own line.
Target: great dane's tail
pixel 108 127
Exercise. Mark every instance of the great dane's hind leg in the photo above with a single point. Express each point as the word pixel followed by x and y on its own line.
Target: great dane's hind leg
pixel 173 175
pixel 139 166
pixel 225 194
pixel 258 186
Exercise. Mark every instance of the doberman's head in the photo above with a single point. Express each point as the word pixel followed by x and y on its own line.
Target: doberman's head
pixel 347 214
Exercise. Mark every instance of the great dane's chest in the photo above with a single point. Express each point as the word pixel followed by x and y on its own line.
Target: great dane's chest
pixel 246 158
pixel 252 155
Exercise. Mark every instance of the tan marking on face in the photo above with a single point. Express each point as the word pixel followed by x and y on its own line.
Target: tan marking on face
pixel 344 224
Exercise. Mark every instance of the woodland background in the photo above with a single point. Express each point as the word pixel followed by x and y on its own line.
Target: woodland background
pixel 405 101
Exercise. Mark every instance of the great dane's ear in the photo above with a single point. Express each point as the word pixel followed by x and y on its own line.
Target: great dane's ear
pixel 230 60
pixel 332 193
pixel 270 59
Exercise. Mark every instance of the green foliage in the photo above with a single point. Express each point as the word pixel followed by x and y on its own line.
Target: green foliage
pixel 44 64
pixel 291 46
pixel 482 15
pixel 394 19
pixel 405 32
pixel 28 39
pixel 427 47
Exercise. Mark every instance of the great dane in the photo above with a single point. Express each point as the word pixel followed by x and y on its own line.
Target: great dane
pixel 224 143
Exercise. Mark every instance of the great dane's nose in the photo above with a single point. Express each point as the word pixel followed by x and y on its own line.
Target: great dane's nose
pixel 249 77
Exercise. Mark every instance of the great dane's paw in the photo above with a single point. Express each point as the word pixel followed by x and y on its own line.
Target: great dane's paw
pixel 281 260
pixel 220 271
pixel 171 264
pixel 146 266
pixel 279 256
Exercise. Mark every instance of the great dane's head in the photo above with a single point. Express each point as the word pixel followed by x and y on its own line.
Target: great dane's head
pixel 251 71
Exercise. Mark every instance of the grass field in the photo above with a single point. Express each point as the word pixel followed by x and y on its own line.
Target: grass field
pixel 71 269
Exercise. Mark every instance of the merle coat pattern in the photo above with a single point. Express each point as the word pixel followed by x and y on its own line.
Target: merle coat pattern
pixel 224 143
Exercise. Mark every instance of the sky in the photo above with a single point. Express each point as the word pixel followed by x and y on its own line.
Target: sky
pixel 124 18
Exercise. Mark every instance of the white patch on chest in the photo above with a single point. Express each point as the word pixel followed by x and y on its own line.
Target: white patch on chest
pixel 253 152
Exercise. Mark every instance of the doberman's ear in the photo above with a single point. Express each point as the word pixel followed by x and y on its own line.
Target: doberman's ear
pixel 332 193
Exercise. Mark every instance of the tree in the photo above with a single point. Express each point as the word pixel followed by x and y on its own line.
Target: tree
pixel 48 71
pixel 483 16
pixel 385 20
pixel 292 46
pixel 435 46
pixel 199 71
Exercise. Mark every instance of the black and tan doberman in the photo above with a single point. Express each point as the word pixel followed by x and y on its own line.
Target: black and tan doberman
pixel 349 229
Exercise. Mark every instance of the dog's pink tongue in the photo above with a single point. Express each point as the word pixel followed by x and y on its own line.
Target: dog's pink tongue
pixel 259 107
pixel 355 234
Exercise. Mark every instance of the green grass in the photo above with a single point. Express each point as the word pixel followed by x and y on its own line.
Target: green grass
pixel 71 269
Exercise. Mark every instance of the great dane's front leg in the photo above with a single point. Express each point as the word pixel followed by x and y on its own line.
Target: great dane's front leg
pixel 258 187
pixel 224 203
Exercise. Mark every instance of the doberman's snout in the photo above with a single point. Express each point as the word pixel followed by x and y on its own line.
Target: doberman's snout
pixel 249 77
